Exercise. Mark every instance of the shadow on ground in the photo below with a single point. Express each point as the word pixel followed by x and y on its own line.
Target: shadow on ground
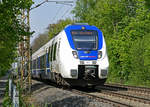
pixel 74 101
pixel 39 86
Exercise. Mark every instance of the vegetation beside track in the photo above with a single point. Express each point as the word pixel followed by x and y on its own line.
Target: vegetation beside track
pixel 12 30
pixel 126 28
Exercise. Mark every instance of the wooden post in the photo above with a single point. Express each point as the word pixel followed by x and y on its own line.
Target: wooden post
pixel 28 51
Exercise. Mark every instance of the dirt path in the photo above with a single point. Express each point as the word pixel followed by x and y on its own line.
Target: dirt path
pixel 3 81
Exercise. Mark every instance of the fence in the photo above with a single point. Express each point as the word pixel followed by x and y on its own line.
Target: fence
pixel 13 94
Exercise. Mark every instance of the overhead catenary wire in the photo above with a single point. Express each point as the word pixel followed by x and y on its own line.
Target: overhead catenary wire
pixel 57 2
pixel 57 13
pixel 67 11
pixel 38 5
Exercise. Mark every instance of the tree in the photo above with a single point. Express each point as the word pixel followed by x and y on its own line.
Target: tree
pixel 40 41
pixel 54 29
pixel 123 23
pixel 147 3
pixel 11 29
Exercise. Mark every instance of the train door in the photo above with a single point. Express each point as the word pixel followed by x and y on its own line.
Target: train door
pixel 52 58
pixel 55 57
pixel 58 55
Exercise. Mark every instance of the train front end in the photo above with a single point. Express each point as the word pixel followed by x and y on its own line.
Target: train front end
pixel 85 60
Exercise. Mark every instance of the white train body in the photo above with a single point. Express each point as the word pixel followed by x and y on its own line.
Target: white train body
pixel 78 54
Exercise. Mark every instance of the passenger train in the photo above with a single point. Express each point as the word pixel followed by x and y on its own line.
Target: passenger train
pixel 76 56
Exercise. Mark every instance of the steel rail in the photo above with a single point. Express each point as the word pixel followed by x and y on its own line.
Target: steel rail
pixel 100 98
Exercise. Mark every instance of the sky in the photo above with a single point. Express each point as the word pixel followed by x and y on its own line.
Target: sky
pixel 48 13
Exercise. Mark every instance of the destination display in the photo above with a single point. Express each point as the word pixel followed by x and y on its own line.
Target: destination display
pixel 80 32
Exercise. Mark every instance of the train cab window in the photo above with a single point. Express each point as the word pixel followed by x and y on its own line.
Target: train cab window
pixel 55 46
pixel 85 39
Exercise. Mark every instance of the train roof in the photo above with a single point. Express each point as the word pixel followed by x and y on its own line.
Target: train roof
pixel 41 51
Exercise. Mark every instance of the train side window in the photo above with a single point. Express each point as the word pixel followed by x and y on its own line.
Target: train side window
pixel 31 65
pixel 39 62
pixel 59 44
pixel 34 64
pixel 58 47
pixel 55 46
pixel 45 60
pixel 48 54
pixel 51 53
pixel 42 62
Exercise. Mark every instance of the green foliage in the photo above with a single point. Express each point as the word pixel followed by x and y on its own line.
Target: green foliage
pixel 54 29
pixel 140 52
pixel 40 41
pixel 147 3
pixel 11 29
pixel 126 28
pixel 7 100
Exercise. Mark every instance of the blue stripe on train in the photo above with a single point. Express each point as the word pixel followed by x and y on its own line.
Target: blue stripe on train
pixel 47 62
pixel 92 55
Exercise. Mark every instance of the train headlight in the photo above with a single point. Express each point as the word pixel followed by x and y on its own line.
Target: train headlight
pixel 99 54
pixel 75 54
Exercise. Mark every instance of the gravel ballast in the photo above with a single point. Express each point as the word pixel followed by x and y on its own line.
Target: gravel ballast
pixel 56 97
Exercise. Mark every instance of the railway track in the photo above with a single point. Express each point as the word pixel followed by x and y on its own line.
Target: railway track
pixel 100 98
pixel 129 88
pixel 128 94
pixel 136 92
pixel 87 93
pixel 114 98
pixel 120 95
pixel 113 95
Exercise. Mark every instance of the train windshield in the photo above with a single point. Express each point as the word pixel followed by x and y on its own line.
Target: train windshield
pixel 85 39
